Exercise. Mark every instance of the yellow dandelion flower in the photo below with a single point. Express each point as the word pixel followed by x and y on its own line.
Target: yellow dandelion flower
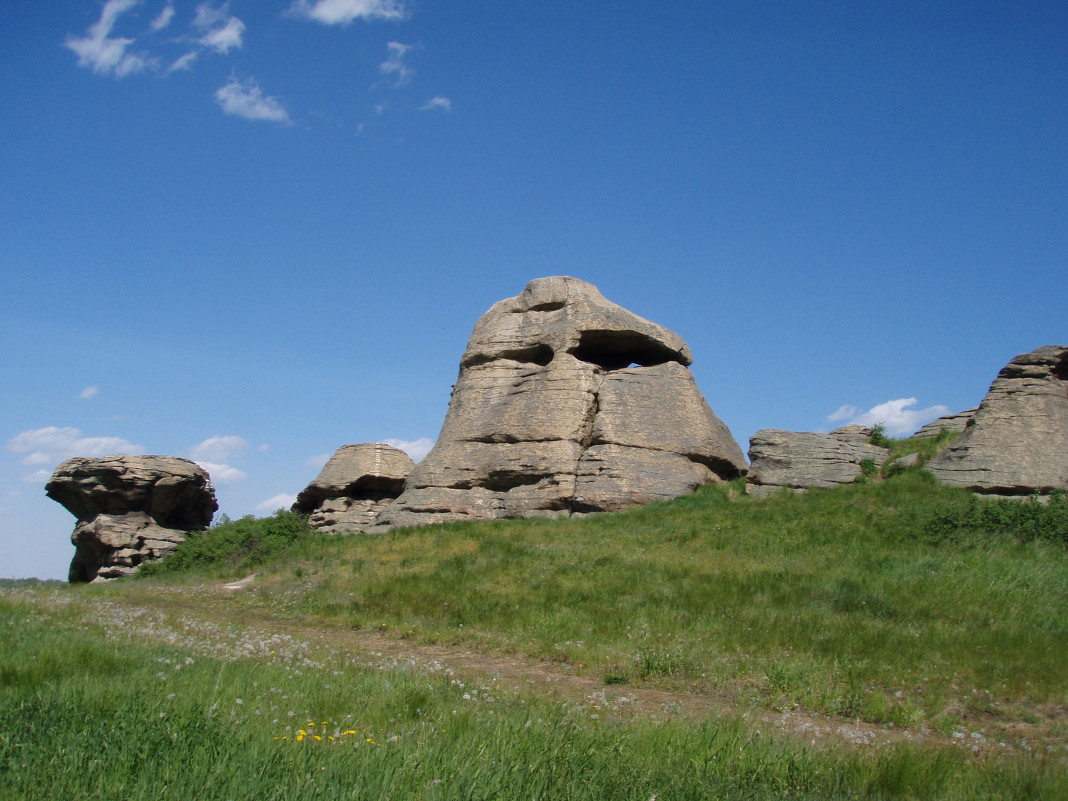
pixel 300 737
pixel 317 737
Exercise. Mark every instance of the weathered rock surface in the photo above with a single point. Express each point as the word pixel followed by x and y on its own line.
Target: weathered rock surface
pixel 800 460
pixel 129 509
pixel 353 487
pixel 1017 442
pixel 567 403
pixel 953 423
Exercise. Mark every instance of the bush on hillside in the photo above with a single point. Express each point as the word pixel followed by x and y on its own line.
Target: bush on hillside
pixel 1026 520
pixel 235 544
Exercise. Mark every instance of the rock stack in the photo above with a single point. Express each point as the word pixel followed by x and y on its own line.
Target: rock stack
pixel 129 509
pixel 565 404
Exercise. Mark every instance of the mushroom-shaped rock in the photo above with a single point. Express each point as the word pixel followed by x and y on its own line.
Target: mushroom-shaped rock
pixel 1017 442
pixel 567 403
pixel 799 460
pixel 354 486
pixel 129 509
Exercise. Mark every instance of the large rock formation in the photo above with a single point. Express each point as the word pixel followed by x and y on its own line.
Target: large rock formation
pixel 567 403
pixel 799 460
pixel 129 509
pixel 354 486
pixel 1017 442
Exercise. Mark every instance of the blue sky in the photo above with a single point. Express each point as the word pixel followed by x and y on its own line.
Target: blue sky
pixel 251 232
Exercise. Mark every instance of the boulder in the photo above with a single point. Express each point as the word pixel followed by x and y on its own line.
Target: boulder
pixel 567 403
pixel 1017 442
pixel 129 509
pixel 953 423
pixel 353 487
pixel 799 460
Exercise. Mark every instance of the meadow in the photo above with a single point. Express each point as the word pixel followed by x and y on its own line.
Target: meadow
pixel 888 639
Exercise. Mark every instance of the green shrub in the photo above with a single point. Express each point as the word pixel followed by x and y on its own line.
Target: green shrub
pixel 235 545
pixel 1026 520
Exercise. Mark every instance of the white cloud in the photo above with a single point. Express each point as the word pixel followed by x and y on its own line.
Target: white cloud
pixel 437 102
pixel 222 473
pixel 221 40
pixel 164 18
pixel 89 392
pixel 318 461
pixel 104 54
pixel 264 448
pixel 394 65
pixel 38 477
pixel 895 415
pixel 52 445
pixel 183 62
pixel 282 501
pixel 246 99
pixel 417 449
pixel 342 12
pixel 844 413
pixel 218 449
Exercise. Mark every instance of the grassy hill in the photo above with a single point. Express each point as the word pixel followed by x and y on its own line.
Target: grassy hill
pixel 889 639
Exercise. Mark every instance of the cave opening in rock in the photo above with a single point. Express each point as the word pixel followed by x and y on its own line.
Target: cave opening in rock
pixel 533 354
pixel 614 350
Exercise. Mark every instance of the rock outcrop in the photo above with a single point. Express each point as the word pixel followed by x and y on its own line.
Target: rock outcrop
pixel 353 487
pixel 1017 442
pixel 953 423
pixel 565 404
pixel 129 509
pixel 800 460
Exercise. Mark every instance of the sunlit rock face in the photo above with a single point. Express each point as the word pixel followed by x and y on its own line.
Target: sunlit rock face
pixel 800 460
pixel 354 486
pixel 130 509
pixel 565 404
pixel 1017 441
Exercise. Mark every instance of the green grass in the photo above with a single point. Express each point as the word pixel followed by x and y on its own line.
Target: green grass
pixel 897 603
pixel 89 712
pixel 847 602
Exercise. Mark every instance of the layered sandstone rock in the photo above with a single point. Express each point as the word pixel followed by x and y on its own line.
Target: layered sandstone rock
pixel 952 423
pixel 353 487
pixel 799 460
pixel 129 509
pixel 1017 442
pixel 567 403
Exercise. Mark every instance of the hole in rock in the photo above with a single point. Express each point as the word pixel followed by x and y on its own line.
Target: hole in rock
pixel 1060 369
pixel 551 305
pixel 533 354
pixel 614 350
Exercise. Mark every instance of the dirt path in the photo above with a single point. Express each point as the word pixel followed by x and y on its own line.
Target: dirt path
pixel 215 605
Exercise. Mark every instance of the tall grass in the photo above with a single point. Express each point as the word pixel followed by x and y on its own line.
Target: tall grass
pixel 87 712
pixel 841 602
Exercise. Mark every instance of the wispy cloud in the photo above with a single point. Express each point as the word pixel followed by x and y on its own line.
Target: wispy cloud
pixel 281 501
pixel 51 445
pixel 218 449
pixel 342 12
pixel 442 103
pixel 105 54
pixel 164 18
pixel 896 415
pixel 394 64
pixel 89 392
pixel 246 99
pixel 183 62
pixel 417 449
pixel 214 453
pixel 223 473
pixel 222 31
